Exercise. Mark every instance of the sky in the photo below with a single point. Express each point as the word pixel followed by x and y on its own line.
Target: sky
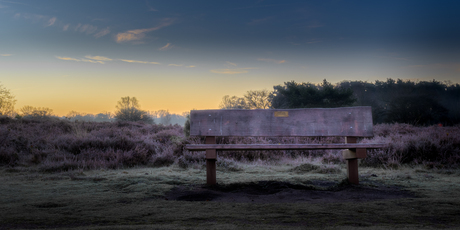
pixel 179 55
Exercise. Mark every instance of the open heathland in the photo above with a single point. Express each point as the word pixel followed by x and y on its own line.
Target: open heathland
pixel 126 175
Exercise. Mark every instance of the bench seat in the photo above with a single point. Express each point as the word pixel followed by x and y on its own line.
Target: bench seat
pixel 203 147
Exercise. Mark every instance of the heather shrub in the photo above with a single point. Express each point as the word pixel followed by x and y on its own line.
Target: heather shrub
pixel 164 157
pixel 59 145
pixel 162 160
pixel 226 164
pixel 5 119
pixel 189 159
pixel 434 145
pixel 332 157
pixel 274 155
pixel 8 156
pixel 182 162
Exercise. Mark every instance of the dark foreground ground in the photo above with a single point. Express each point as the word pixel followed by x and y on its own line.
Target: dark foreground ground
pixel 255 197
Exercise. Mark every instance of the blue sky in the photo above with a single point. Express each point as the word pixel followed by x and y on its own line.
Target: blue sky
pixel 181 55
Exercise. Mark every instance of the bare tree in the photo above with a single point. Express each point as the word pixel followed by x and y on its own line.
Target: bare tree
pixel 128 103
pixel 233 103
pixel 258 99
pixel 73 114
pixel 7 102
pixel 165 117
pixel 30 111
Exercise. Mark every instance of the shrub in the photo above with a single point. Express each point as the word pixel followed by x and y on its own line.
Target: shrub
pixel 55 145
pixel 415 145
pixel 188 159
pixel 226 164
pixel 63 145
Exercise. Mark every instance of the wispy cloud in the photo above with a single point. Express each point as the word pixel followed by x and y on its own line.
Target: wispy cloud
pixel 51 21
pixel 228 71
pixel 67 58
pixel 231 63
pixel 98 58
pixel 138 34
pixel 179 65
pixel 102 33
pixel 5 55
pixel 92 61
pixel 48 21
pixel 271 60
pixel 150 7
pixel 81 59
pixel 103 60
pixel 166 47
pixel 88 29
pixel 142 62
pixel 37 18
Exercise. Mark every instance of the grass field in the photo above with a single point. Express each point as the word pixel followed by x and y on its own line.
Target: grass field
pixel 140 198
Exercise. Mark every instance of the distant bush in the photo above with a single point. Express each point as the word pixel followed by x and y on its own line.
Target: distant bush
pixel 187 126
pixel 129 110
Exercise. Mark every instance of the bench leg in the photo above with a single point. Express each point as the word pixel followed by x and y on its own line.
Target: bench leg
pixel 211 157
pixel 352 162
pixel 352 171
pixel 211 171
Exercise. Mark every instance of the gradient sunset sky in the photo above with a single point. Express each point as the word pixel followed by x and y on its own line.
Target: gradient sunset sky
pixel 182 55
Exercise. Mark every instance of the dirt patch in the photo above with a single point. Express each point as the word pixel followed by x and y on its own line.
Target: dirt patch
pixel 285 192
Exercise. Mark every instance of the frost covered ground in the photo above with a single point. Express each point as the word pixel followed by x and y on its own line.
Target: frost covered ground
pixel 292 196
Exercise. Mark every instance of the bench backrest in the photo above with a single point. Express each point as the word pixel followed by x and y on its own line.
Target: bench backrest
pixel 345 121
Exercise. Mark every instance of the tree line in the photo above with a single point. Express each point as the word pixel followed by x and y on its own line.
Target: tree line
pixel 128 109
pixel 393 101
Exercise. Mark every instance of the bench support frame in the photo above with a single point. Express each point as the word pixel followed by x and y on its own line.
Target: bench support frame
pixel 351 155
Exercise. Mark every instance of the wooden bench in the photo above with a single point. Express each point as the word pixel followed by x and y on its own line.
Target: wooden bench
pixel 349 122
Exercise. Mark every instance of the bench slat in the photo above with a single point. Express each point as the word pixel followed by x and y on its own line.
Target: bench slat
pixel 346 121
pixel 202 147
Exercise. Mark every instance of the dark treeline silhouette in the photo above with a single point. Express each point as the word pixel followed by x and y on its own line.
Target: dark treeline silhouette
pixel 307 95
pixel 417 103
pixel 393 101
